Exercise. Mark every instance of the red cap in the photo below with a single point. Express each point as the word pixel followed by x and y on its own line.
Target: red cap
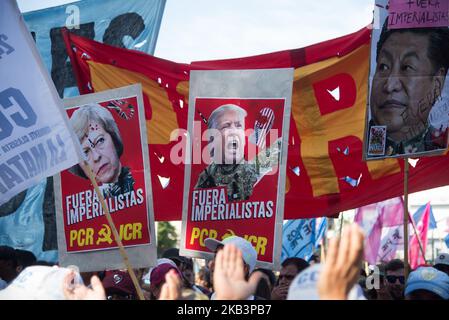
pixel 158 273
pixel 118 282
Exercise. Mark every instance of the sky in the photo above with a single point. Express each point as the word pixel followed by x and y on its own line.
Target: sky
pixel 204 30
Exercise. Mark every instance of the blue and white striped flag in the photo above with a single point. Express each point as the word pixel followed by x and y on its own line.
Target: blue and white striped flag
pixel 301 238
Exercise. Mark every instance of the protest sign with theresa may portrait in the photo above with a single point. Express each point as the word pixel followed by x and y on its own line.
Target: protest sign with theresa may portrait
pixel 110 126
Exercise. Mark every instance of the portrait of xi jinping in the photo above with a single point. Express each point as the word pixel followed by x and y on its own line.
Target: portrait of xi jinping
pixel 411 69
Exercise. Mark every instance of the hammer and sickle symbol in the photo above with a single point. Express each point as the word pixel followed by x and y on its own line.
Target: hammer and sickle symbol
pixel 104 235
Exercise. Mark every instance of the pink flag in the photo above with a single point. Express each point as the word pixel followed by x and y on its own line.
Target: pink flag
pixel 392 212
pixel 372 243
pixel 393 239
pixel 416 257
pixel 373 218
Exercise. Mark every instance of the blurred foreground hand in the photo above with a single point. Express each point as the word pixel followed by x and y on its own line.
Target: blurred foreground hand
pixel 80 291
pixel 229 276
pixel 342 265
pixel 171 289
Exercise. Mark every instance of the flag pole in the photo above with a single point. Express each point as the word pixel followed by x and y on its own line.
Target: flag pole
pixel 341 222
pixel 324 242
pixel 322 251
pixel 114 232
pixel 419 238
pixel 406 264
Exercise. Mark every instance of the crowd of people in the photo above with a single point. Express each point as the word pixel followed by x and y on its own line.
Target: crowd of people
pixel 230 275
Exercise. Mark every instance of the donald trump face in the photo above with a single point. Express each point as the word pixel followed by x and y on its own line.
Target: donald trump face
pixel 228 143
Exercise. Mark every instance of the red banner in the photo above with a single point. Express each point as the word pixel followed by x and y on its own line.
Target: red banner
pixel 325 170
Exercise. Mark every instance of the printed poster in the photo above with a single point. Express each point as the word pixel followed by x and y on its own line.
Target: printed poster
pixel 408 105
pixel 235 177
pixel 110 126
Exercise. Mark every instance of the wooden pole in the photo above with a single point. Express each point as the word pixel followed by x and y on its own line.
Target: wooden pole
pixel 114 231
pixel 406 264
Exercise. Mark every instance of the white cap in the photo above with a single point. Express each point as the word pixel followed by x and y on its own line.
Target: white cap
pixel 38 283
pixel 443 258
pixel 249 254
pixel 304 286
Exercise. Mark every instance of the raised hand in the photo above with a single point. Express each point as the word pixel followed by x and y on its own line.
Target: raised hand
pixel 171 289
pixel 80 291
pixel 229 276
pixel 279 292
pixel 341 269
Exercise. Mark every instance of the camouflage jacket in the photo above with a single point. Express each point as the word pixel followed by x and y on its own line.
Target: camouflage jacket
pixel 238 178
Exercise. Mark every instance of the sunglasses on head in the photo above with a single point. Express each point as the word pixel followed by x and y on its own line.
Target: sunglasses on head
pixel 392 279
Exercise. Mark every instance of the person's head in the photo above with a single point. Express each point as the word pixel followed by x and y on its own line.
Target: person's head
pixel 227 145
pixel 305 286
pixel 24 259
pixel 373 283
pixel 411 68
pixel 268 275
pixel 395 279
pixel 8 263
pixel 203 278
pixel 249 254
pixel 263 289
pixel 290 267
pixel 380 272
pixel 427 283
pixel 118 285
pixel 184 264
pixel 157 278
pixel 362 278
pixel 186 268
pixel 442 263
pixel 170 253
pixel 146 276
pixel 100 141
